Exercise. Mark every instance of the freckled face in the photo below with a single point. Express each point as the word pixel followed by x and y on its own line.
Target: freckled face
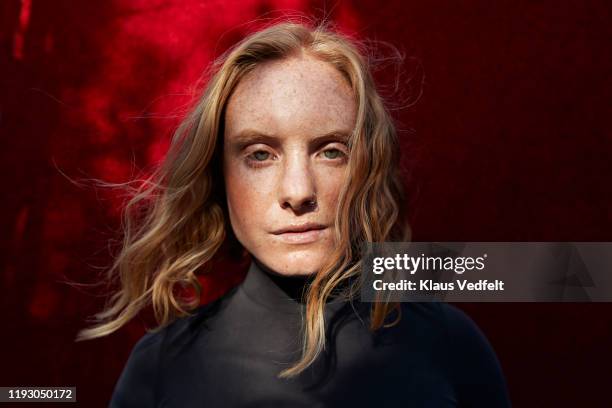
pixel 285 160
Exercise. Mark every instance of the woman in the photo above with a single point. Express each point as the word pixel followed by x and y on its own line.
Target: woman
pixel 291 156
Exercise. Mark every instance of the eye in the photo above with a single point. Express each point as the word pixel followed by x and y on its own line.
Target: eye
pixel 261 155
pixel 259 158
pixel 332 153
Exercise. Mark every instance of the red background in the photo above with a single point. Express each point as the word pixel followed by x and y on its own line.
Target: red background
pixel 509 141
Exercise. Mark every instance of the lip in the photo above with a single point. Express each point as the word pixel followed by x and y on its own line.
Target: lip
pixel 301 234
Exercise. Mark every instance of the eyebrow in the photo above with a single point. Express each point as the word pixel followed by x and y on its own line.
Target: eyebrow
pixel 249 136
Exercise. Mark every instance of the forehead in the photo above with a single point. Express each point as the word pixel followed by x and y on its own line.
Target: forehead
pixel 299 94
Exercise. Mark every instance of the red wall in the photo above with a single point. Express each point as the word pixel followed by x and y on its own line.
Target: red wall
pixel 509 141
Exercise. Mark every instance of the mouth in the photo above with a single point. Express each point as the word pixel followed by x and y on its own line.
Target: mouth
pixel 301 234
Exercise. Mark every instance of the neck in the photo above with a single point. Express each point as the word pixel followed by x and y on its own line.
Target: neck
pixel 294 286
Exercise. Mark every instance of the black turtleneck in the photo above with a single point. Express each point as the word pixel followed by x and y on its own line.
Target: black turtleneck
pixel 293 286
pixel 230 352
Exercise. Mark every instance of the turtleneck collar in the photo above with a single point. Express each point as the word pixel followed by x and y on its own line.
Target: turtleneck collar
pixel 273 291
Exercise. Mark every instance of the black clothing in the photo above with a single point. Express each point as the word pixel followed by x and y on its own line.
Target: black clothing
pixel 229 353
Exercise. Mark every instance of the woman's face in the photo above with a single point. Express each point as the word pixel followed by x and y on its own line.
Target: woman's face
pixel 285 160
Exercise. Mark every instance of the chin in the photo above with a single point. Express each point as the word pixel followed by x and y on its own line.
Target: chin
pixel 295 262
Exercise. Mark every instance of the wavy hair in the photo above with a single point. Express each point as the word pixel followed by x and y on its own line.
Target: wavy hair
pixel 176 222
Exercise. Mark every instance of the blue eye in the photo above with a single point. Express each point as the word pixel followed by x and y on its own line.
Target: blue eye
pixel 332 153
pixel 260 155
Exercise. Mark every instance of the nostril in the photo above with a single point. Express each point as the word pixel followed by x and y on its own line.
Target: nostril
pixel 300 204
pixel 310 203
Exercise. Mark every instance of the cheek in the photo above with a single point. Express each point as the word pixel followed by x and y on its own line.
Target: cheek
pixel 331 182
pixel 247 197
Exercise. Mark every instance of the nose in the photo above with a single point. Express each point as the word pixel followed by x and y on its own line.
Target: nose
pixel 297 187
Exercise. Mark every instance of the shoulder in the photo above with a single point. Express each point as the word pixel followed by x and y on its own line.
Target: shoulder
pixel 473 364
pixel 139 379
pixel 467 356
pixel 136 383
pixel 459 326
pixel 448 321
